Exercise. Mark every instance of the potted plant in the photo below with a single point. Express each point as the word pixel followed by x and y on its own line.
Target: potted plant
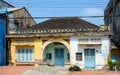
pixel 74 68
pixel 112 64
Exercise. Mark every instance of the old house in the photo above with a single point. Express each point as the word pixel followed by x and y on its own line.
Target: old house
pixel 3 11
pixel 61 42
pixel 2 36
pixel 112 18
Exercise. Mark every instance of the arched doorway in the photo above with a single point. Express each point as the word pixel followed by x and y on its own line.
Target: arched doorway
pixel 56 53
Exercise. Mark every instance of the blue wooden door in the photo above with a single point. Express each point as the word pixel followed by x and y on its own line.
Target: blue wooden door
pixel 59 57
pixel 89 58
pixel 2 41
pixel 115 57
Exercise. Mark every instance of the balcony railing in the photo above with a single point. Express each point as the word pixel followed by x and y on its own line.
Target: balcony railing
pixel 51 31
pixel 89 41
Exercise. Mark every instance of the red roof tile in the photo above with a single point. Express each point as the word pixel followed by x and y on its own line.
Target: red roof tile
pixel 64 23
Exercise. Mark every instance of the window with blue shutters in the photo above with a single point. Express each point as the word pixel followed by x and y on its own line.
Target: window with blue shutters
pixel 49 56
pixel 25 55
pixel 68 57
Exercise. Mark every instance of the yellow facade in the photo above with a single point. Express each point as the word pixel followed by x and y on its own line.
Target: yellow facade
pixel 37 44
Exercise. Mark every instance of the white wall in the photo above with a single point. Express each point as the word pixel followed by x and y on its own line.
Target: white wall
pixel 101 51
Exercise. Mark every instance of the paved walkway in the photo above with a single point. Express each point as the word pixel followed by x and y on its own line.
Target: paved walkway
pixel 94 72
pixel 13 70
pixel 53 70
pixel 47 70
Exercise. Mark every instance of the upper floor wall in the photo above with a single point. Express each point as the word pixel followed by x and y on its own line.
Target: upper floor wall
pixel 19 19
pixel 101 45
pixel 112 13
pixel 16 18
pixel 110 6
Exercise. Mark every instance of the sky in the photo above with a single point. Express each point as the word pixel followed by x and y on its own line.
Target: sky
pixel 64 8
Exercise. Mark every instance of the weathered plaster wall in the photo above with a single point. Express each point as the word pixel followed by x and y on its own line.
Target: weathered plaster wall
pixel 101 51
pixel 38 46
pixel 51 49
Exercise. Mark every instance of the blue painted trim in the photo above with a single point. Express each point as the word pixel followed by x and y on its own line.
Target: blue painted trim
pixel 2 41
pixel 89 58
pixel 59 57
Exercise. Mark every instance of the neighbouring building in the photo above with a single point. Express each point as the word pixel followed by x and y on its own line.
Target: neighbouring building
pixel 3 13
pixel 61 42
pixel 18 18
pixel 112 18
pixel 2 36
pixel 11 19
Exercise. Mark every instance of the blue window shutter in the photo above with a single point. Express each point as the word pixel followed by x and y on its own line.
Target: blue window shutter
pixel 28 55
pixel 68 56
pixel 46 55
pixel 25 55
pixel 18 55
pixel 22 54
pixel 32 57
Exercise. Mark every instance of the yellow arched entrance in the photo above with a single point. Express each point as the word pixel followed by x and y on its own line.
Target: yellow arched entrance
pixel 56 40
pixel 66 44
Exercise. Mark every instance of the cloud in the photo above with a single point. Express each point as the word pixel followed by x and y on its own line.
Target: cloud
pixel 92 12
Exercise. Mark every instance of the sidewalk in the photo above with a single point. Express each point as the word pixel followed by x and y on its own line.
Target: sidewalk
pixel 94 72
pixel 45 70
pixel 14 70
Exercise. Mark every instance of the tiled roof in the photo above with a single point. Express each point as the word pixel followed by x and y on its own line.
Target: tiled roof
pixel 64 23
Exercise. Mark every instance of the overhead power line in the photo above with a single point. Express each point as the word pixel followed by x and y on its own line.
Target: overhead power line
pixel 61 17
pixel 61 4
pixel 57 17
pixel 20 1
